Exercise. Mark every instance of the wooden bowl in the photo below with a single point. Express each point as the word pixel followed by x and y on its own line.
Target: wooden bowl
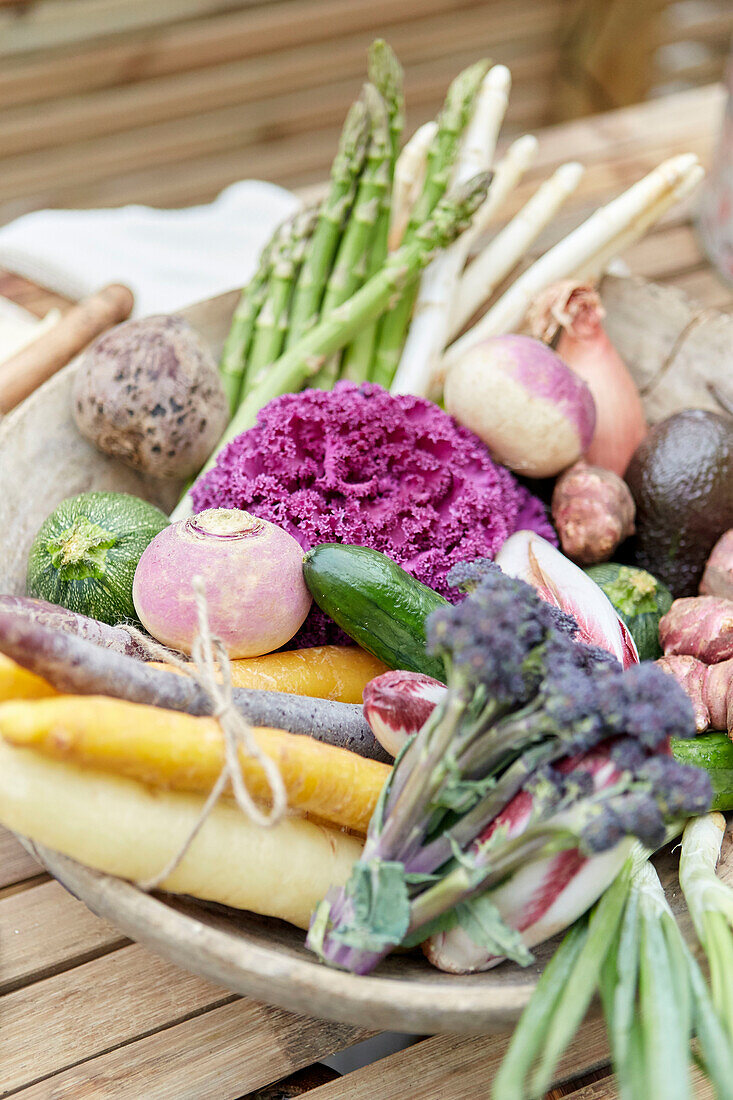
pixel 675 353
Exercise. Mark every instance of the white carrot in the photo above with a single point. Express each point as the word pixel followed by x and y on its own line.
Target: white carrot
pixel 428 328
pixel 598 265
pixel 596 233
pixel 509 246
pixel 409 176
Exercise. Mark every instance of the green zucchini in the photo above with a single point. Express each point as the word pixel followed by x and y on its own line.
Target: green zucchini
pixel 375 602
pixel 639 598
pixel 85 554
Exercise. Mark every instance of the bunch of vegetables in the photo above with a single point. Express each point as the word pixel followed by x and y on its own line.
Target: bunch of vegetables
pixel 539 745
pixel 536 745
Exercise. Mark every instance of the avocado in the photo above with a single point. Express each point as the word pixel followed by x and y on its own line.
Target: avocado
pixel 681 478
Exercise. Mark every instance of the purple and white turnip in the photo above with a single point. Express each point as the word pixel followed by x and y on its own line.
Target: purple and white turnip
pixel 535 415
pixel 253 579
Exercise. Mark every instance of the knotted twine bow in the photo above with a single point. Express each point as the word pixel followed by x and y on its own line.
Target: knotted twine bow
pixel 211 669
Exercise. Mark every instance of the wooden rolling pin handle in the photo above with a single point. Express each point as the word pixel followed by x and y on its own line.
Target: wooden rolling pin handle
pixel 24 372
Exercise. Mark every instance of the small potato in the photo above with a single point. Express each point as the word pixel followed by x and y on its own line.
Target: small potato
pixel 148 393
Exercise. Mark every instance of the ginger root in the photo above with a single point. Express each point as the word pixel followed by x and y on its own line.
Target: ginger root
pixel 698 626
pixel 708 687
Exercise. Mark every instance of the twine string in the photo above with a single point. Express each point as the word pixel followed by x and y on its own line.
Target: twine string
pixel 211 668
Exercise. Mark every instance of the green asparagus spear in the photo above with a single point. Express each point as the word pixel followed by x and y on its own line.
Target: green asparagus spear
pixel 333 213
pixel 271 323
pixel 451 216
pixel 385 72
pixel 351 268
pixel 454 116
pixel 236 347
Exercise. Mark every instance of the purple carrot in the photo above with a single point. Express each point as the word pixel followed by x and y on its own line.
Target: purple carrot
pixel 70 622
pixel 76 666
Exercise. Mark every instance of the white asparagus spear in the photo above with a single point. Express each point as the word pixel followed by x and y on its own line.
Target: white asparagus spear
pixel 409 176
pixel 477 148
pixel 593 270
pixel 428 329
pixel 507 174
pixel 482 277
pixel 575 250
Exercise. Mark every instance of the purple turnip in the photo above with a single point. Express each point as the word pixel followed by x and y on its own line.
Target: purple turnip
pixel 253 579
pixel 535 415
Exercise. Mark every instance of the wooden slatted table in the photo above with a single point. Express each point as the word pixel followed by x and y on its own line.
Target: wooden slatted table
pixel 86 1014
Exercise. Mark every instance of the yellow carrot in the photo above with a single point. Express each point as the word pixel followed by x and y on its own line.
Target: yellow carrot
pixel 17 682
pixel 124 828
pixel 165 748
pixel 325 672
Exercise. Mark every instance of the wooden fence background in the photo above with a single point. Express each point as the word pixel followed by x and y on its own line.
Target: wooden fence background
pixel 104 102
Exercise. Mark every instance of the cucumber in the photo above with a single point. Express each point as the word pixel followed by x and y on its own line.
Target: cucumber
pixel 85 554
pixel 639 598
pixel 375 602
pixel 714 753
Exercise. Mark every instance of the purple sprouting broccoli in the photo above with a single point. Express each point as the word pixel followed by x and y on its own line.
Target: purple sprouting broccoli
pixel 525 709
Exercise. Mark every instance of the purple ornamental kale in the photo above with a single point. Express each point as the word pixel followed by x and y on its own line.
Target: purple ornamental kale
pixel 361 466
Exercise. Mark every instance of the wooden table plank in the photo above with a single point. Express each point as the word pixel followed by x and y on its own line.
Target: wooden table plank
pixel 220 1055
pixel 45 930
pixel 58 1022
pixel 457 1068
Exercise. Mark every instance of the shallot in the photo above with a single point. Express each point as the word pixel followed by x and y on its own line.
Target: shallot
pixel 717 580
pixel 571 315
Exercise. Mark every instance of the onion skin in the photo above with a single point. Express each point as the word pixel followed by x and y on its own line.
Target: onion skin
pixel 253 579
pixel 575 312
pixel 534 414
pixel 593 511
pixel 717 580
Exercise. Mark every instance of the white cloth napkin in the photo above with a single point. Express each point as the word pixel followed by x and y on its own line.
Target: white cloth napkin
pixel 168 258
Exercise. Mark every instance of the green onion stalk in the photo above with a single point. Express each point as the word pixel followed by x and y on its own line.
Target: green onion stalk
pixel 629 948
pixel 710 902
pixel 539 745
